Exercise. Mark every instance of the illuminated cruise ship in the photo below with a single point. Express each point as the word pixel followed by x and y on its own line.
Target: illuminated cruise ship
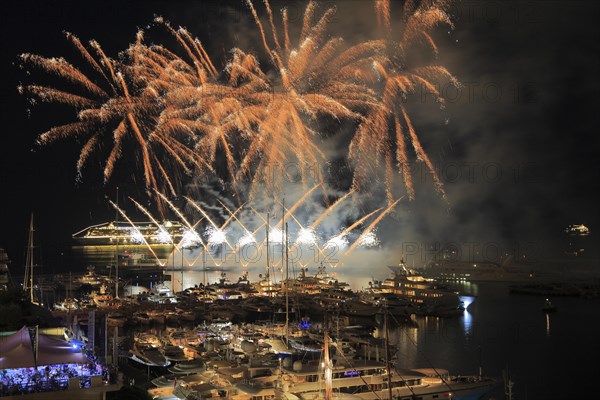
pixel 138 233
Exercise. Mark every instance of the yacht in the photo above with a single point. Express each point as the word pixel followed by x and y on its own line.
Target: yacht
pixel 429 297
pixel 103 298
pixel 68 304
pixel 147 350
pixel 91 278
pixel 369 379
pixel 316 283
pixel 161 294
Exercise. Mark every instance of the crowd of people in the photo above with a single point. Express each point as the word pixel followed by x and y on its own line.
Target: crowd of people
pixel 51 377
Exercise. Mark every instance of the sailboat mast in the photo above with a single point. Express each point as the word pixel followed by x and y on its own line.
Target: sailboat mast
pixel 282 234
pixel 29 262
pixel 204 278
pixel 328 372
pixel 267 277
pixel 117 248
pixel 27 255
pixel 387 350
pixel 287 282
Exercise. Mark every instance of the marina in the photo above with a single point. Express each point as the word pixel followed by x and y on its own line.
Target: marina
pixel 233 339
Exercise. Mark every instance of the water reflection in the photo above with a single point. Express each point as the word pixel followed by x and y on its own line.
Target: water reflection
pixel 467 318
pixel 547 324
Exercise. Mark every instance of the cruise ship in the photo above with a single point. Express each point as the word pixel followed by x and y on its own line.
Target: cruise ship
pixel 125 233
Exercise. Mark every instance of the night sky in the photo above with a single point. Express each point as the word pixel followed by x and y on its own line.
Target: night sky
pixel 517 144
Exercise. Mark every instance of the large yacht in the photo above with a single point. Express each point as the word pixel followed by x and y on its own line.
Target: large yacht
pixel 368 379
pixel 317 283
pixel 430 297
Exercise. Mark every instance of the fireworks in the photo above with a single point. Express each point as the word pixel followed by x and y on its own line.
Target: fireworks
pixel 306 236
pixel 162 236
pixel 180 112
pixel 215 236
pixel 136 236
pixel 190 239
pixel 337 242
pixel 275 235
pixel 369 240
pixel 176 115
pixel 245 240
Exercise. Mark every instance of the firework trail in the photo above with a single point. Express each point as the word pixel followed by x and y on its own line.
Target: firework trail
pixel 381 131
pixel 233 216
pixel 357 223
pixel 191 228
pixel 116 109
pixel 382 9
pixel 217 231
pixel 328 211
pixel 176 210
pixel 177 246
pixel 290 211
pixel 371 226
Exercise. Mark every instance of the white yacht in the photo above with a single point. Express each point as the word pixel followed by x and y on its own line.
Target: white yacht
pixel 91 278
pixel 161 294
pixel 429 297
pixel 369 380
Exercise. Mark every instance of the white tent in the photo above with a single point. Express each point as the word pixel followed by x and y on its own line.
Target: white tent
pixel 16 351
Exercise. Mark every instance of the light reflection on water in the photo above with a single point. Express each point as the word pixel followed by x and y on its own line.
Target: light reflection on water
pixel 466 316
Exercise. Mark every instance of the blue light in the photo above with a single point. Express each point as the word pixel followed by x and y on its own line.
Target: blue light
pixel 467 300
pixel 305 324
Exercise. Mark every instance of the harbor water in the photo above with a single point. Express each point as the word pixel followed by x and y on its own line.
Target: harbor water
pixel 547 356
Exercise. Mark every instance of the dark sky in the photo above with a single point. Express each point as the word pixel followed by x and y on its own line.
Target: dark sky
pixel 517 145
